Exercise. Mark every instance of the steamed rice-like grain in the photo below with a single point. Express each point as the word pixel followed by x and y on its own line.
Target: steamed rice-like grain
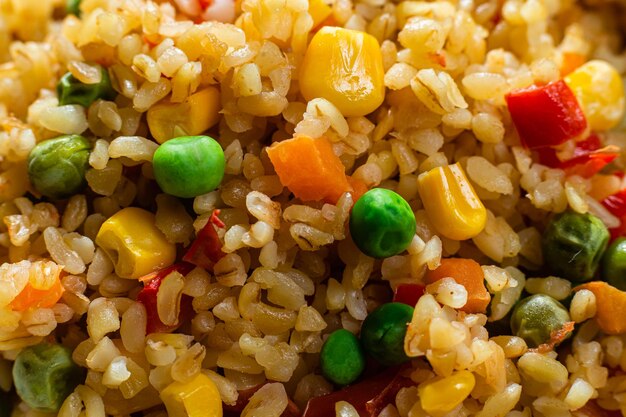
pixel 254 309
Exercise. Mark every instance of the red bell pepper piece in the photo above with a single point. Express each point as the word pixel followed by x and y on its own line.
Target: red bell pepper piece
pixel 546 116
pixel 408 293
pixel 590 164
pixel 148 297
pixel 368 397
pixel 616 203
pixel 292 409
pixel 206 250
pixel 587 160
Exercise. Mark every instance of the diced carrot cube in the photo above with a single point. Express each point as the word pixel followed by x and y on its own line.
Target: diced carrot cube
pixel 468 273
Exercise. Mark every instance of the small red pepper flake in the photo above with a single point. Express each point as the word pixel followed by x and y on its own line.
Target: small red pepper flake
pixel 408 293
pixel 206 250
pixel 546 116
pixel 148 297
pixel 216 220
pixel 588 158
pixel 616 203
pixel 243 399
pixel 368 397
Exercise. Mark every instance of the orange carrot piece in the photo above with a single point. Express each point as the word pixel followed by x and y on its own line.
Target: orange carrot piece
pixel 468 273
pixel 358 186
pixel 309 168
pixel 571 61
pixel 34 298
pixel 610 306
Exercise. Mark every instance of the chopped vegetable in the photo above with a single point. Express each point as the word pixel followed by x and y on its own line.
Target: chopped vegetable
pixel 546 116
pixel 382 223
pixel 573 244
pixel 195 115
pixel 588 159
pixel 408 294
pixel 383 331
pixel 571 61
pixel 342 358
pixel 206 250
pixel 73 7
pixel 358 186
pixel 198 397
pixel 56 167
pixel 451 202
pixel 309 168
pixel 614 264
pixel 469 274
pixel 319 11
pixel 537 317
pixel 616 203
pixel 134 243
pixel 148 297
pixel 368 397
pixel 600 92
pixel 346 68
pixel 72 91
pixel 441 395
pixel 189 166
pixel 44 294
pixel 610 306
pixel 44 375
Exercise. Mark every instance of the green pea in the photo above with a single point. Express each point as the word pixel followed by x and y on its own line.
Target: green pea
pixel 73 7
pixel 573 244
pixel 56 167
pixel 189 166
pixel 614 264
pixel 72 91
pixel 382 223
pixel 44 375
pixel 342 358
pixel 383 331
pixel 535 318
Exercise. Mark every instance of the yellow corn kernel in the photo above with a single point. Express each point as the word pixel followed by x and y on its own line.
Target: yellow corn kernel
pixel 196 398
pixel 451 202
pixel 319 11
pixel 600 92
pixel 440 396
pixel 346 68
pixel 134 243
pixel 193 116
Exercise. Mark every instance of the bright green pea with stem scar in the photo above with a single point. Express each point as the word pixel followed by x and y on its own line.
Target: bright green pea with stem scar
pixel 342 358
pixel 44 375
pixel 382 223
pixel 383 331
pixel 614 264
pixel 56 167
pixel 189 166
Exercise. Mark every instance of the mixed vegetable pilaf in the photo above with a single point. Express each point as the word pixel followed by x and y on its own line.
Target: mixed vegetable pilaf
pixel 312 208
